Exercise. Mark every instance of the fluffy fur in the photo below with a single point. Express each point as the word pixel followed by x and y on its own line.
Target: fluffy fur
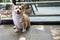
pixel 20 19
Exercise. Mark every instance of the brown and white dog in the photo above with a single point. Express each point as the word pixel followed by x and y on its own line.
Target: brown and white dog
pixel 20 19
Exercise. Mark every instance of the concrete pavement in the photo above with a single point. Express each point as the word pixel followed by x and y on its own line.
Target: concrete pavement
pixel 36 32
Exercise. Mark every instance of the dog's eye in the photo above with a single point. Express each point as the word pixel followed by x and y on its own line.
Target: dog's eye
pixel 20 8
pixel 16 8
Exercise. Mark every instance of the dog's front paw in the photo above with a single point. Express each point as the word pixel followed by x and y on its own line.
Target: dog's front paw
pixel 24 30
pixel 15 29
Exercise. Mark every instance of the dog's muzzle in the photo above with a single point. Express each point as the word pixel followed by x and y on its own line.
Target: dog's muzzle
pixel 18 12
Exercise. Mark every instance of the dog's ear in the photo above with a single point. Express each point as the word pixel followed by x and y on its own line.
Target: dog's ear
pixel 23 8
pixel 13 6
pixel 25 4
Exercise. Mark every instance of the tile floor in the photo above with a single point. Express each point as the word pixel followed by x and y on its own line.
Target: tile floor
pixel 36 32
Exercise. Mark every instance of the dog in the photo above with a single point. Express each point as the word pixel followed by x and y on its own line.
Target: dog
pixel 20 19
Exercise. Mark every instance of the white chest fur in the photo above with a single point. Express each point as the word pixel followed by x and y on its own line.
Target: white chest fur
pixel 16 19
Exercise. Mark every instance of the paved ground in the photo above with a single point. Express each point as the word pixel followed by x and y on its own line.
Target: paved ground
pixel 36 32
pixel 55 30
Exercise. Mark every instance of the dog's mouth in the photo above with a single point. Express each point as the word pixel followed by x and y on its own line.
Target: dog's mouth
pixel 18 12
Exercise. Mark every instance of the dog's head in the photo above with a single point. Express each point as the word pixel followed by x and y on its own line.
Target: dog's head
pixel 18 8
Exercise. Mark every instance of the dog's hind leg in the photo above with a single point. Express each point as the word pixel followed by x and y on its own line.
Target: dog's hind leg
pixel 28 24
pixel 24 30
pixel 24 27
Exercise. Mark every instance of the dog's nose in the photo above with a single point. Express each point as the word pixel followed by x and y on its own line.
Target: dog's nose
pixel 18 11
